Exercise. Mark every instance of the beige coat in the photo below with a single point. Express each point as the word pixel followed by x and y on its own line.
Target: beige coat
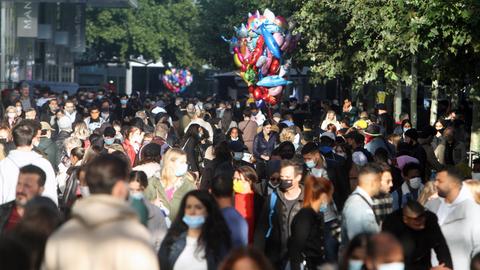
pixel 103 233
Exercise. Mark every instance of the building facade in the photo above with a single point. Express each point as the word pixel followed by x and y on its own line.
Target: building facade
pixel 40 40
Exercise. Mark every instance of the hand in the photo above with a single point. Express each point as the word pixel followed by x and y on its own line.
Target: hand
pixel 440 267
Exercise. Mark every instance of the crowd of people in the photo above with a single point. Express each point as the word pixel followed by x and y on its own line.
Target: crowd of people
pixel 98 180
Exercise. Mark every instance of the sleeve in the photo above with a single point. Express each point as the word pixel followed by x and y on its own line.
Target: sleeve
pixel 301 227
pixel 256 153
pixel 360 220
pixel 262 227
pixel 441 247
pixel 244 233
pixel 395 200
pixel 432 159
pixel 191 159
pixel 51 183
pixel 475 230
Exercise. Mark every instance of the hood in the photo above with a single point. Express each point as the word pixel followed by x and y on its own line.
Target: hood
pixel 95 210
pixel 22 158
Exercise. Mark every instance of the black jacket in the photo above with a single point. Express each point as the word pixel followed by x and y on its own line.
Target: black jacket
pixel 417 245
pixel 275 246
pixel 307 239
pixel 5 211
pixel 339 177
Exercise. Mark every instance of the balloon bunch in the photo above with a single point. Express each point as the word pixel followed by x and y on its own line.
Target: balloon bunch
pixel 177 80
pixel 258 49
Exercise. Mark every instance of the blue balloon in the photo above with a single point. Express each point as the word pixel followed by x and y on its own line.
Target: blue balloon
pixel 270 42
pixel 260 103
pixel 272 81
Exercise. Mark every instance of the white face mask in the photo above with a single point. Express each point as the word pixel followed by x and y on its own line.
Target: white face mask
pixel 415 182
pixel 475 176
pixel 11 115
pixel 392 266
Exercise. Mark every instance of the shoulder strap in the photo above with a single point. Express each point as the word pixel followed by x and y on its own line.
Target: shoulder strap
pixel 273 201
pixel 183 148
pixel 363 198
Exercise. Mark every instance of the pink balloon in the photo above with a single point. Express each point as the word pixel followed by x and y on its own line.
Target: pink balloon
pixel 275 91
pixel 278 38
pixel 267 64
pixel 240 56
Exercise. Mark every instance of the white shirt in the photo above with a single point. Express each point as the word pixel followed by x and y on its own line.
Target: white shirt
pixel 446 208
pixel 190 258
pixel 9 170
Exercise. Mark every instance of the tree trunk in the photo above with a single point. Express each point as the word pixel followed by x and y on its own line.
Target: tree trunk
pixel 475 133
pixel 414 92
pixel 397 99
pixel 434 98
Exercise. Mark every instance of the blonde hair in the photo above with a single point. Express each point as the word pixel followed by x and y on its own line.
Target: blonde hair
pixel 11 108
pixel 2 152
pixel 168 166
pixel 73 142
pixel 428 191
pixel 288 134
pixel 81 131
pixel 474 187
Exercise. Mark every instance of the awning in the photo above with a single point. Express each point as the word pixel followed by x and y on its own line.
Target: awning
pixel 92 3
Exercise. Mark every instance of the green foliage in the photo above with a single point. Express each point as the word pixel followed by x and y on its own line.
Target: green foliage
pixel 372 40
pixel 155 30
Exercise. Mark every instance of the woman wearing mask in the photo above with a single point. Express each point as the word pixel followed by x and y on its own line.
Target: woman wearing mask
pixel 406 125
pixel 330 118
pixel 438 138
pixel 132 143
pixel 173 185
pixel 11 118
pixel 306 243
pixel 199 237
pixel 247 202
pixel 263 145
pixel 355 253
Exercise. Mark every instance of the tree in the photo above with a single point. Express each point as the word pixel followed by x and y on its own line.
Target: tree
pixel 156 29
pixel 218 17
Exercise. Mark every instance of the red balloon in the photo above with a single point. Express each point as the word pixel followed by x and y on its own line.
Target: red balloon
pixel 258 93
pixel 270 100
pixel 257 52
pixel 274 67
pixel 251 89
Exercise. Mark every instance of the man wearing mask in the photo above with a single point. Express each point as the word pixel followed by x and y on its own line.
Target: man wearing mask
pixel 458 217
pixel 48 113
pixel 419 233
pixel 412 185
pixel 105 111
pixel 273 226
pixel 318 166
pixel 100 222
pixel 358 215
pixel 31 182
pixel 257 115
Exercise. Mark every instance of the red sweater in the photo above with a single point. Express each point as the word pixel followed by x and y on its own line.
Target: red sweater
pixel 244 205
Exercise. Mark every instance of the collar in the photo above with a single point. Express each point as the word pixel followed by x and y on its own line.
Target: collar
pixel 464 195
pixel 362 192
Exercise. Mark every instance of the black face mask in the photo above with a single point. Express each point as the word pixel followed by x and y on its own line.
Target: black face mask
pixel 285 185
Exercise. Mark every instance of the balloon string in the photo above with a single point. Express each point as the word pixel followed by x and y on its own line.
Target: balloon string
pixel 269 111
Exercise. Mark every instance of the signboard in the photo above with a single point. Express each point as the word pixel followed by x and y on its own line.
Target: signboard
pixel 27 19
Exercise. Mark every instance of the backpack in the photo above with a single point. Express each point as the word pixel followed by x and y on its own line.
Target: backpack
pixel 273 201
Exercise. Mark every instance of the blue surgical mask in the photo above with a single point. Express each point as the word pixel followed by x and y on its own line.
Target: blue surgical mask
pixel 99 96
pixel 124 101
pixel 310 164
pixel 194 222
pixel 392 266
pixel 109 141
pixel 324 207
pixel 355 264
pixel 136 195
pixel 181 170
